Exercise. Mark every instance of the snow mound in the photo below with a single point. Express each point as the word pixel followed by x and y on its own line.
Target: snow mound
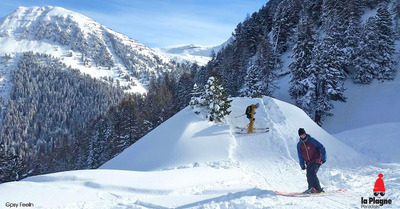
pixel 188 139
pixel 269 160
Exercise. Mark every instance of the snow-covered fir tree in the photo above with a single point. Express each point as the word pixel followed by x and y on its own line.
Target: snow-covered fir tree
pixel 302 54
pixel 261 75
pixel 215 100
pixel 269 63
pixel 376 49
pixel 386 44
pixel 352 31
pixel 195 100
pixel 252 82
pixel 186 82
pixel 396 11
pixel 366 61
pixel 325 81
pixel 318 71
pixel 286 18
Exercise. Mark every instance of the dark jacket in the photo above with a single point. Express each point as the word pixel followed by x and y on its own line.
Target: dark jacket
pixel 310 151
pixel 250 114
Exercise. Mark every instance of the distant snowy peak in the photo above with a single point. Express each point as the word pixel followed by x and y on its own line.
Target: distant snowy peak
pixel 191 53
pixel 187 53
pixel 82 43
pixel 189 49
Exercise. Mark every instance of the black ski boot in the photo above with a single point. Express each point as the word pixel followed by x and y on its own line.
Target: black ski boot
pixel 311 190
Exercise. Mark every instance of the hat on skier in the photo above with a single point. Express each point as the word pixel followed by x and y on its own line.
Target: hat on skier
pixel 257 105
pixel 301 131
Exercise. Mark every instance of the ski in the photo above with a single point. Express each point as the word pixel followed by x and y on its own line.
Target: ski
pixel 245 128
pixel 256 132
pixel 301 194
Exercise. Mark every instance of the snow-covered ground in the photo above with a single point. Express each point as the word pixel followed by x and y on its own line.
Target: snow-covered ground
pixel 188 162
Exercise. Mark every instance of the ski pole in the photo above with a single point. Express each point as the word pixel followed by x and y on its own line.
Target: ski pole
pixel 245 127
pixel 240 115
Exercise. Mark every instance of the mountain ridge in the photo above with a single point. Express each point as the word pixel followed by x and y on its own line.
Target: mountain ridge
pixel 83 43
pixel 191 53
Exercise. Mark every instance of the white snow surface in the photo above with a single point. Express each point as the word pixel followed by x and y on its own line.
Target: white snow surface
pixel 188 162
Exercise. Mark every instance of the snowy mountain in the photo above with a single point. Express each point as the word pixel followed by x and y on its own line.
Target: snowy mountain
pixel 191 53
pixel 81 43
pixel 59 72
pixel 188 162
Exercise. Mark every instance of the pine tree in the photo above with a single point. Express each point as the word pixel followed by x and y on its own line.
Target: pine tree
pixel 215 100
pixel 352 31
pixel 184 88
pixel 366 61
pixel 268 62
pixel 386 45
pixel 252 81
pixel 285 19
pixel 376 49
pixel 331 76
pixel 324 83
pixel 396 11
pixel 302 54
pixel 308 89
pixel 314 10
pixel 195 100
pixel 261 73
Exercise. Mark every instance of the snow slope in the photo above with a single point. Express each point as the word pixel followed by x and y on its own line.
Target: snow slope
pixel 367 105
pixel 188 162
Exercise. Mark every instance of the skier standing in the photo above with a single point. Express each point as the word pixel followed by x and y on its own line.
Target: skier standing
pixel 312 155
pixel 250 111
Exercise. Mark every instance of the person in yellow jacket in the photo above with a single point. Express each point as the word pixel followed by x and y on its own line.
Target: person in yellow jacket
pixel 250 111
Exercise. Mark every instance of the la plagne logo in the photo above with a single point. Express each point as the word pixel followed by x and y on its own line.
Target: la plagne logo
pixel 379 192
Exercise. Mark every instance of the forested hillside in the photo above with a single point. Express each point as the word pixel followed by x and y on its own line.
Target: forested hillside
pixel 69 88
pixel 48 103
pixel 58 119
pixel 327 41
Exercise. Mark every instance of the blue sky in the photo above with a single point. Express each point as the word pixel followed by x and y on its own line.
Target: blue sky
pixel 158 23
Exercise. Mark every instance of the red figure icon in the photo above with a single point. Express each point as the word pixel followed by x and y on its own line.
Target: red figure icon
pixel 379 187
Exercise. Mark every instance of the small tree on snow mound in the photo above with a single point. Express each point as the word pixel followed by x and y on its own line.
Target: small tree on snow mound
pixel 214 99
